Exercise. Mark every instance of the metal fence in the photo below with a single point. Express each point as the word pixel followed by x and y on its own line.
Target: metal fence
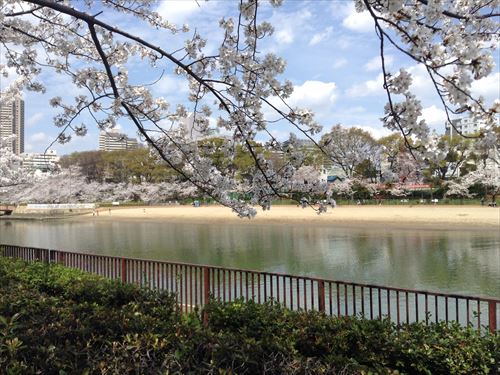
pixel 194 284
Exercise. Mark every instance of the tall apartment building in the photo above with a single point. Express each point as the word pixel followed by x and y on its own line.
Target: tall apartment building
pixel 12 122
pixel 114 141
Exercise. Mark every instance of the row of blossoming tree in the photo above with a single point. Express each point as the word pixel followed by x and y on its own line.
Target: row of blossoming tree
pixel 360 167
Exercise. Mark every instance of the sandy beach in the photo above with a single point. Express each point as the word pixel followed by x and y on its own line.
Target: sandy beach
pixel 449 217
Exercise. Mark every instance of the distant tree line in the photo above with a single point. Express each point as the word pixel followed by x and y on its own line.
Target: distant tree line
pixel 365 167
pixel 127 166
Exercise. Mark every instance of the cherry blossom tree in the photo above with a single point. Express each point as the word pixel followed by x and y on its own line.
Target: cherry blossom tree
pixel 453 40
pixel 459 188
pixel 71 186
pixel 398 190
pixel 343 188
pixel 487 175
pixel 307 182
pixel 12 172
pixel 348 148
pixel 409 169
pixel 306 175
pixel 391 147
pixel 349 187
pixel 455 156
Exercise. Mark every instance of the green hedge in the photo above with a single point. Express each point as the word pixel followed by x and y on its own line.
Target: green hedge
pixel 54 320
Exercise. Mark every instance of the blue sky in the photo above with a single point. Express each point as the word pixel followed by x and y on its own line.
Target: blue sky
pixel 332 59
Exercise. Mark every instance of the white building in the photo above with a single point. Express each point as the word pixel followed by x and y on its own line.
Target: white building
pixel 12 123
pixel 113 141
pixel 465 126
pixel 43 162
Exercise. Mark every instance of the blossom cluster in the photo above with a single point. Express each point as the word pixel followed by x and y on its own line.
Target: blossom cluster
pixel 455 42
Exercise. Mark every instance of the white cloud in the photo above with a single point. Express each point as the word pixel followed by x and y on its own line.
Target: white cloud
pixel 424 89
pixel 356 109
pixel 169 85
pixel 34 119
pixel 421 84
pixel 289 25
pixel 434 117
pixel 367 88
pixel 359 22
pixel 376 133
pixel 344 42
pixel 314 95
pixel 285 36
pixel 179 11
pixel 322 36
pixel 11 76
pixel 280 135
pixel 39 137
pixel 339 63
pixel 488 87
pixel 375 64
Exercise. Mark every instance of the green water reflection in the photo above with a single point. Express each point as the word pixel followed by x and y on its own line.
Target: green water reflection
pixel 445 260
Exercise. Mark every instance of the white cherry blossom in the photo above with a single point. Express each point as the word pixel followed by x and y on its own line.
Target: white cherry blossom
pixel 235 86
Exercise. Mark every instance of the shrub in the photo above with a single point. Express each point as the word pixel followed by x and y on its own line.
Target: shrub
pixel 54 320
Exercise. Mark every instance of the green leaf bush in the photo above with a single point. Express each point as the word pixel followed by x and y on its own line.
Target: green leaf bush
pixel 54 320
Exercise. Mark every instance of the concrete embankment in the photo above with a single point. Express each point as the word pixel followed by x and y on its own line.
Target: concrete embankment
pixel 22 213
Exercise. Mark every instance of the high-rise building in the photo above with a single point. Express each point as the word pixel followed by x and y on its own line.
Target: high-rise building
pixel 114 141
pixel 12 123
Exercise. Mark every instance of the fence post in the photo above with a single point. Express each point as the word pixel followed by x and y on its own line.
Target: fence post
pixel 61 259
pixel 124 270
pixel 206 284
pixel 492 315
pixel 321 295
pixel 206 292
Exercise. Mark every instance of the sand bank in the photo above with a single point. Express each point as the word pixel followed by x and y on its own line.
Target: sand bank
pixel 473 217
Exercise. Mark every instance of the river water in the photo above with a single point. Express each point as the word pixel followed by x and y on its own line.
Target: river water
pixel 457 261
